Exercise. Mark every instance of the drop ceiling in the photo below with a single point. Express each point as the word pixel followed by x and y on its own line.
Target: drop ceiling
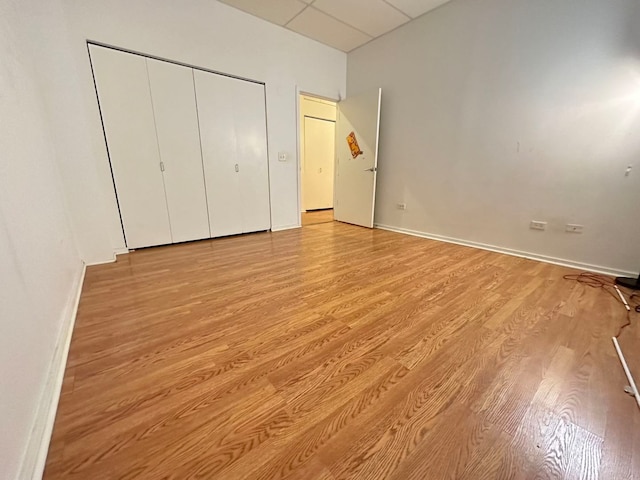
pixel 342 24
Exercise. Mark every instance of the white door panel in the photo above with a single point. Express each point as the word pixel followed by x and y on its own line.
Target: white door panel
pixel 251 135
pixel 355 182
pixel 174 106
pixel 125 103
pixel 219 152
pixel 319 160
pixel 234 151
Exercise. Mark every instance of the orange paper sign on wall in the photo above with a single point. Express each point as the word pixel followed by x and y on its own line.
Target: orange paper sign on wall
pixel 353 145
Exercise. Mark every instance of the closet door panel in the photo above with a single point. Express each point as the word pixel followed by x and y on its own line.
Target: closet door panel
pixel 251 132
pixel 125 103
pixel 215 100
pixel 174 106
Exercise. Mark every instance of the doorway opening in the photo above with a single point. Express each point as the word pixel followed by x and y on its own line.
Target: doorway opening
pixel 317 159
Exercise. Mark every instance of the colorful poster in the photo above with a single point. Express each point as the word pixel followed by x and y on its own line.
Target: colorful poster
pixel 353 145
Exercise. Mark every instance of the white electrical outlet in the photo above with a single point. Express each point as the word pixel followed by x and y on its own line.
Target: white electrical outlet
pixel 574 228
pixel 537 225
pixel 402 206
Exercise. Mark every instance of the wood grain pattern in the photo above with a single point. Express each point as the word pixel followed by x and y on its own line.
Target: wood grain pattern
pixel 336 352
pixel 314 217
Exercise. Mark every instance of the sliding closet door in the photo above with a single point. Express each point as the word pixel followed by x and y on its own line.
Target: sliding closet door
pixel 127 113
pixel 251 132
pixel 174 106
pixel 216 113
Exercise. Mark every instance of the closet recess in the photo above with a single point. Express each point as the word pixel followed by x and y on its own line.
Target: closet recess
pixel 187 147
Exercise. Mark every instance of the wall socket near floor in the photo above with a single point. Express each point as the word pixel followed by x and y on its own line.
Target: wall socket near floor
pixel 537 225
pixel 574 228
pixel 402 206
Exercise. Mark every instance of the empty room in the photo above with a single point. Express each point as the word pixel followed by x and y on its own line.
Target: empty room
pixel 319 239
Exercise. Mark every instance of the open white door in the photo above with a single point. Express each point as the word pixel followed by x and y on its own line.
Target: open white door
pixel 357 131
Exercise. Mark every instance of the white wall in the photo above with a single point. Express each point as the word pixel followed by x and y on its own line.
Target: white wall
pixel 497 112
pixel 60 68
pixel 57 204
pixel 39 263
pixel 203 33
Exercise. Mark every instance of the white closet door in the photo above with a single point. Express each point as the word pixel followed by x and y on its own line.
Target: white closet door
pixel 125 102
pixel 234 150
pixel 319 160
pixel 251 134
pixel 216 113
pixel 174 105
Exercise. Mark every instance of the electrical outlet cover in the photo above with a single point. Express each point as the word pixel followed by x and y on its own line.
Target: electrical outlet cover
pixel 537 225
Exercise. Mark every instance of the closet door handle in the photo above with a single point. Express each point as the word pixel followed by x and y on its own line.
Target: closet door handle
pixel 237 168
pixel 162 166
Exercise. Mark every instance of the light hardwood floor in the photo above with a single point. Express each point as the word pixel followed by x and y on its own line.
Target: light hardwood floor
pixel 336 352
pixel 317 216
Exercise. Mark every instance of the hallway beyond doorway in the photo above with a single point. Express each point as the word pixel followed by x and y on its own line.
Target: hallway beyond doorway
pixel 314 217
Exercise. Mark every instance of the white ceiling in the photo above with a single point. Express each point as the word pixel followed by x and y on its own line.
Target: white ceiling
pixel 342 24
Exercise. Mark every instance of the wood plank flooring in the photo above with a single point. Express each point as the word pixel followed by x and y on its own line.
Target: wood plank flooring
pixel 317 216
pixel 336 352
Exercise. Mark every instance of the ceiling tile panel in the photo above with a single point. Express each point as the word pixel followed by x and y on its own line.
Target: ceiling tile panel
pixel 320 26
pixel 374 17
pixel 415 8
pixel 275 11
pixel 342 24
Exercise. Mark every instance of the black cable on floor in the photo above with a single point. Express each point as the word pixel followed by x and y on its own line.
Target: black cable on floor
pixel 607 284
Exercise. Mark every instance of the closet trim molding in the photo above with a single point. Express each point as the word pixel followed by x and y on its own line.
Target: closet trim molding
pixel 146 55
pixel 106 143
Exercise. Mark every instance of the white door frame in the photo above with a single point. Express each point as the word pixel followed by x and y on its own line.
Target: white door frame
pixel 299 145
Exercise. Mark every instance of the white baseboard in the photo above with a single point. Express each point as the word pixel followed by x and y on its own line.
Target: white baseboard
pixel 516 253
pixel 116 252
pixel 35 457
pixel 285 227
pixel 91 264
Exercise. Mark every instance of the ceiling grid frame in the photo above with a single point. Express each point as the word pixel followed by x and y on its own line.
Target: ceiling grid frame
pixel 318 19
